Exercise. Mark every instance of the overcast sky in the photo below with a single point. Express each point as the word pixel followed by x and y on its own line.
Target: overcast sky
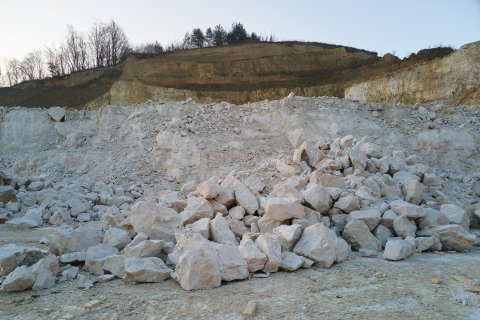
pixel 379 25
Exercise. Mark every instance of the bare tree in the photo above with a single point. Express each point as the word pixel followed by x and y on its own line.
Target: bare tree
pixel 98 43
pixel 13 72
pixel 118 43
pixel 32 66
pixel 56 61
pixel 75 51
pixel 3 80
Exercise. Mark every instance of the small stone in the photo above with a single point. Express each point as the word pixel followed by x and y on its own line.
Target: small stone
pixel 318 198
pixel 221 232
pixel 208 189
pixel 404 227
pixel 288 235
pixel 456 215
pixel 436 280
pixel 348 203
pixel 237 212
pixel 270 246
pixel 368 253
pixel 358 235
pixel 56 113
pixel 245 198
pixel 290 261
pixel 371 217
pixel 151 269
pixel 250 308
pixel 255 258
pixel 397 249
pixel 92 304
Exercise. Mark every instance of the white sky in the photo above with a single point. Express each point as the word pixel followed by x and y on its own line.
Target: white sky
pixel 378 25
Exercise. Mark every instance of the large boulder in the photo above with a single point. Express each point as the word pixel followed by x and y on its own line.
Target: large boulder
pixel 45 272
pixel 454 237
pixel 358 235
pixel 255 258
pixel 291 261
pixel 66 239
pixel 245 198
pixel 404 227
pixel 410 210
pixel 271 247
pixel 281 209
pixel 144 249
pixel 20 279
pixel 456 215
pixel 371 217
pixel 208 189
pixel 432 218
pixel 321 245
pixel 288 235
pixel 221 232
pixel 56 113
pixel 155 220
pixel 348 203
pixel 318 198
pixel 413 191
pixel 116 237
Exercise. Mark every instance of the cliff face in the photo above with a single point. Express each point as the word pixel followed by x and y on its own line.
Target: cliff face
pixel 257 71
pixel 454 78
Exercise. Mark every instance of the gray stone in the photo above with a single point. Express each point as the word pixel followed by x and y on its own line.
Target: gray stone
pixel 45 272
pixel 432 218
pixel 322 245
pixel 36 186
pixel 368 253
pixel 371 217
pixel 73 257
pixel 403 208
pixel 56 113
pixel 358 235
pixel 94 257
pixel 22 223
pixel 150 269
pixel 404 227
pixel 403 177
pixel 348 203
pixel 290 261
pixel 424 243
pixel 201 226
pixel 271 247
pixel 398 249
pixel 456 215
pixel 358 158
pixel 7 194
pixel 387 218
pixel 454 237
pixel 208 189
pixel 383 234
pixel 116 264
pixel 318 197
pixel 197 208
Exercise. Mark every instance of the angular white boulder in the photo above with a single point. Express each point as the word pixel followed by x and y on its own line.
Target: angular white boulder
pixel 321 245
pixel 150 269
pixel 117 238
pixel 348 203
pixel 454 237
pixel 456 215
pixel 358 235
pixel 398 249
pixel 13 256
pixel 288 235
pixel 404 227
pixel 79 239
pixel 371 217
pixel 255 258
pixel 20 279
pixel 245 198
pixel 221 232
pixel 281 209
pixel 270 246
pixel 318 197
pixel 291 261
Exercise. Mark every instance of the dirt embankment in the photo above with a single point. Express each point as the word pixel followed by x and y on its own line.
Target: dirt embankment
pixel 238 74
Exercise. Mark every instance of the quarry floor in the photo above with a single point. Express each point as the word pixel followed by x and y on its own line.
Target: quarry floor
pixel 425 286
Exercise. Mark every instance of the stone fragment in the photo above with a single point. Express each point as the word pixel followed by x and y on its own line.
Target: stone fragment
pixel 255 258
pixel 13 256
pixel 56 113
pixel 68 274
pixel 288 235
pixel 368 253
pixel 21 223
pixel 358 235
pixel 321 245
pixel 291 261
pixel 318 198
pixel 94 257
pixel 36 186
pixel 232 265
pixel 237 212
pixel 371 217
pixel 237 226
pixel 307 263
pixel 116 237
pixel 404 227
pixel 245 198
pixel 326 180
pixel 456 215
pixel 73 257
pixel 250 309
pixel 398 249
pixel 270 246
pixel 20 279
pixel 255 183
pixel 358 158
pixel 150 269
pixel 221 232
pixel 404 177
pixel 348 203
pixel 188 188
pixel 454 237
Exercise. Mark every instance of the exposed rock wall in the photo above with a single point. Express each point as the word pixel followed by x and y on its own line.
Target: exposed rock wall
pixel 454 78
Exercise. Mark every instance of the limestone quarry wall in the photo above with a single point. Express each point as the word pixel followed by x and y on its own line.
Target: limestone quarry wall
pixel 454 78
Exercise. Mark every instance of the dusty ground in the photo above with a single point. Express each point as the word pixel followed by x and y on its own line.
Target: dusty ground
pixel 360 288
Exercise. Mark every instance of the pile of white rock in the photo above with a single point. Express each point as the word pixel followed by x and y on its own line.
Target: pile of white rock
pixel 331 197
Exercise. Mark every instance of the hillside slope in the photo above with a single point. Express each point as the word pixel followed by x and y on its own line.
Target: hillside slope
pixel 237 73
